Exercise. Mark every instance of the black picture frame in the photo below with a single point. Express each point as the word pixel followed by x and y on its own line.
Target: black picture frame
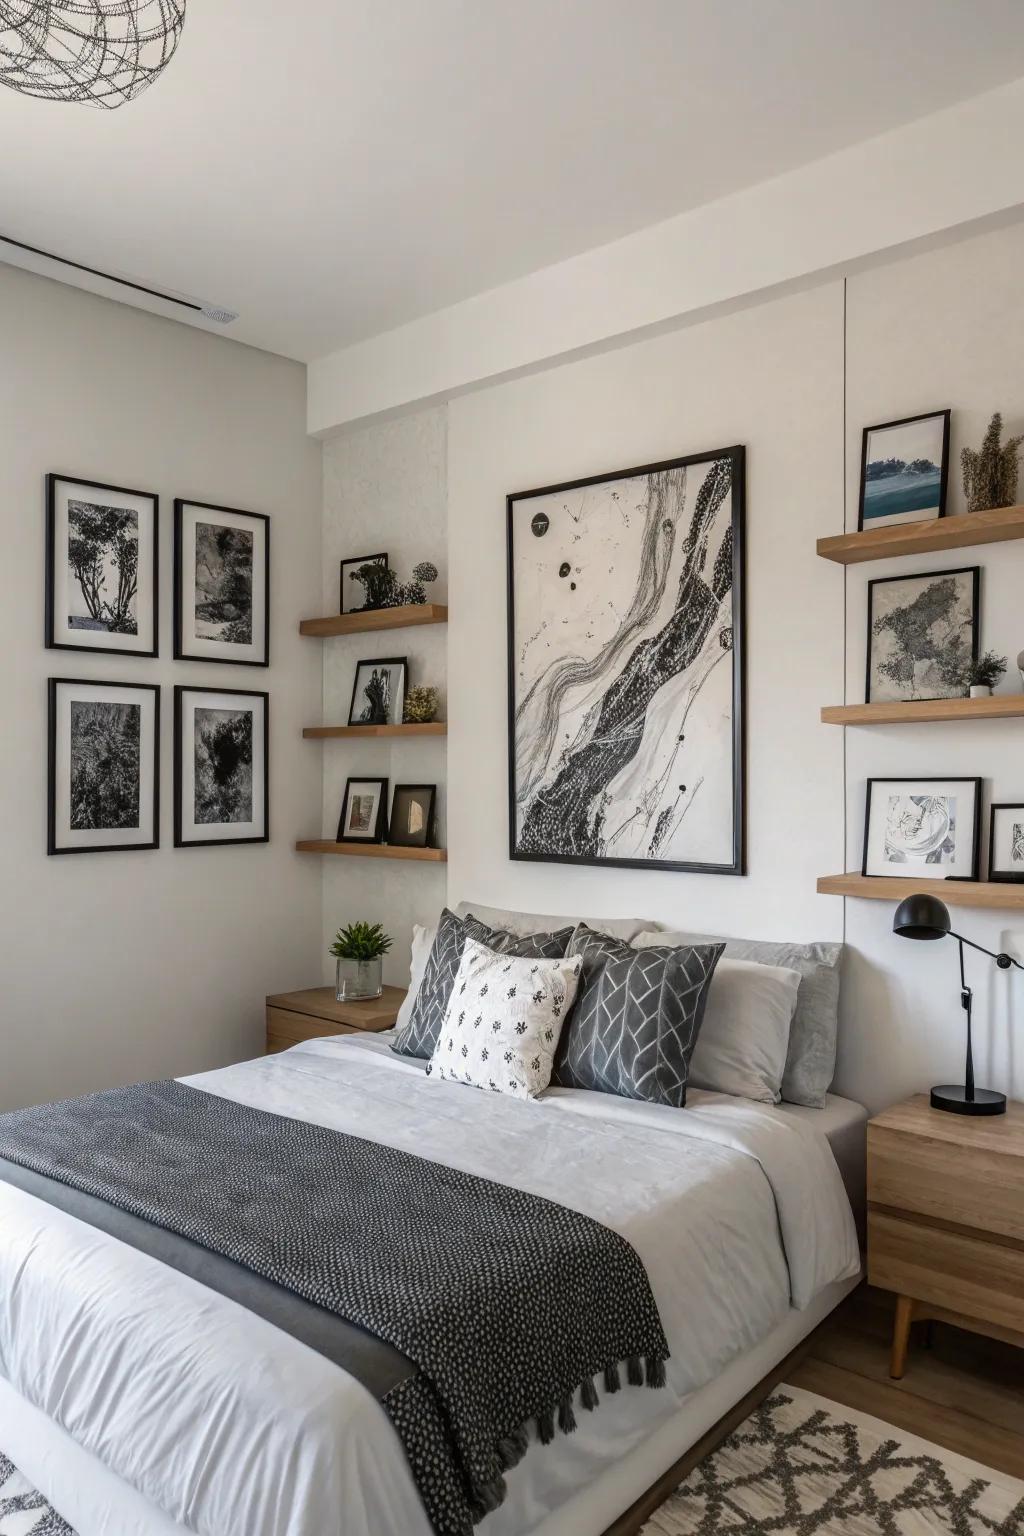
pixel 54 684
pixel 905 421
pixel 50 640
pixel 882 581
pixel 996 876
pixel 180 651
pixel 380 824
pixel 401 662
pixel 737 865
pixel 380 559
pixel 976 783
pixel 180 840
pixel 414 840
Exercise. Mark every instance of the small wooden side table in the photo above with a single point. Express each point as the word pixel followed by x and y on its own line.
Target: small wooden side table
pixel 315 1012
pixel 946 1219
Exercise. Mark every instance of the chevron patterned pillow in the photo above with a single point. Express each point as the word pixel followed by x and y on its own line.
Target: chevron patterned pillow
pixel 637 1016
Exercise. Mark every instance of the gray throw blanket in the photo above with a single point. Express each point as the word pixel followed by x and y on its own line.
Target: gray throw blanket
pixel 507 1304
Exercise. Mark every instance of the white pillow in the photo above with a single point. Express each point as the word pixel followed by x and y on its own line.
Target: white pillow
pixel 503 1021
pixel 422 944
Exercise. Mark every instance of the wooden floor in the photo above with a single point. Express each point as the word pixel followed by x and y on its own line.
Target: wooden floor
pixel 963 1391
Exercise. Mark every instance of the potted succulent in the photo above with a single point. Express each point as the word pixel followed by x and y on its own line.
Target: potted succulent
pixel 359 950
pixel 985 674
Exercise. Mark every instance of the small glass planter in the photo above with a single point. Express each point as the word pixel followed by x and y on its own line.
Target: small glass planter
pixel 356 979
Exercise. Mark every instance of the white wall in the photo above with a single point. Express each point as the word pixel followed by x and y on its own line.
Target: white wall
pixel 120 967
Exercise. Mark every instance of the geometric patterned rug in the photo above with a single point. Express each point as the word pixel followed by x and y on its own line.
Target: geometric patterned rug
pixel 23 1512
pixel 801 1465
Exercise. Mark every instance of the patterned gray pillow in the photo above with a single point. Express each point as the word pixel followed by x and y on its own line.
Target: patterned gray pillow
pixel 637 1016
pixel 420 1035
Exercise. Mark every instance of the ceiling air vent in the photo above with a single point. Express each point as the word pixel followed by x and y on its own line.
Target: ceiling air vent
pixel 214 312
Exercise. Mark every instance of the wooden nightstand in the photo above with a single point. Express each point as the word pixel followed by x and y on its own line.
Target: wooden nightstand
pixel 315 1012
pixel 946 1219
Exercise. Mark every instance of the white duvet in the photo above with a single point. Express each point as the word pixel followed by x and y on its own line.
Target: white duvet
pixel 234 1429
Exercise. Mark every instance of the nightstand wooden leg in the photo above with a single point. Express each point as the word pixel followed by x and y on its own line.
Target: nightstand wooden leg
pixel 901 1336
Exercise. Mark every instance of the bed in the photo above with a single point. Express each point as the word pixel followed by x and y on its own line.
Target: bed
pixel 142 1404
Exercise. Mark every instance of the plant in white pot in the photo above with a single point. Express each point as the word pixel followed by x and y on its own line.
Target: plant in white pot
pixel 985 674
pixel 359 950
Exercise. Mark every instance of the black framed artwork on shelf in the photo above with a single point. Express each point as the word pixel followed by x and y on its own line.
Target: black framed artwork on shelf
pixel 923 635
pixel 353 592
pixel 364 811
pixel 929 827
pixel 221 584
pixel 413 816
pixel 378 691
pixel 102 567
pixel 221 766
pixel 1006 844
pixel 103 793
pixel 904 470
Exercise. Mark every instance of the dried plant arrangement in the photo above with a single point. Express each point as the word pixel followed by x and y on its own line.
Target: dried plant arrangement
pixel 990 473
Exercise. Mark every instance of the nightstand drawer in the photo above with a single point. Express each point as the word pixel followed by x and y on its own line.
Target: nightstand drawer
pixel 285 1029
pixel 955 1270
pixel 970 1186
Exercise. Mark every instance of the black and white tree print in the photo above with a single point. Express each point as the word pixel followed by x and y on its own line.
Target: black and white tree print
pixel 103 568
pixel 105 765
pixel 223 766
pixel 223 601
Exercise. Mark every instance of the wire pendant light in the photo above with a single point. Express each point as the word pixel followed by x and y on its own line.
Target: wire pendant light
pixel 99 52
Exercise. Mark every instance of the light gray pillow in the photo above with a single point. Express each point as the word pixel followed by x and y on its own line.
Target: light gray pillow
pixel 534 922
pixel 811 1058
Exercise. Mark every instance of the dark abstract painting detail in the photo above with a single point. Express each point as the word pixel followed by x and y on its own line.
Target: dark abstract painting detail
pixel 100 52
pixel 224 558
pixel 105 765
pixel 623 668
pixel 223 766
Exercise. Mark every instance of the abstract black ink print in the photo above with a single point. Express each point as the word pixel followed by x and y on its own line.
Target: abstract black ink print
pixel 103 568
pixel 922 637
pixel 223 766
pixel 105 772
pixel 224 563
pixel 376 698
pixel 1017 845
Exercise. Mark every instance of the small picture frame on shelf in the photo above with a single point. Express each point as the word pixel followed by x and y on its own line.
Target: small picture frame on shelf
pixel 364 811
pixel 378 692
pixel 1006 844
pixel 412 821
pixel 923 635
pixel 102 567
pixel 353 597
pixel 221 766
pixel 104 766
pixel 904 469
pixel 923 826
pixel 221 584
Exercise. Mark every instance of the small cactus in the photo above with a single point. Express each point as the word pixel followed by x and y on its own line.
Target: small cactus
pixel 421 705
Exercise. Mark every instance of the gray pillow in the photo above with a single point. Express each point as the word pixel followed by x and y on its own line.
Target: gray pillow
pixel 511 921
pixel 811 1055
pixel 420 1035
pixel 635 1021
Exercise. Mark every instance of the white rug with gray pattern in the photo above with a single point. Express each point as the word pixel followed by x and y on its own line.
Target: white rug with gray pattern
pixel 23 1511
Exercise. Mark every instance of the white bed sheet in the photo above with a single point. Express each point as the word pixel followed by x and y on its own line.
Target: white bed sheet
pixel 231 1428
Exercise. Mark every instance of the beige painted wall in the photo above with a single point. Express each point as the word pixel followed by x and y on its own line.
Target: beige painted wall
pixel 120 966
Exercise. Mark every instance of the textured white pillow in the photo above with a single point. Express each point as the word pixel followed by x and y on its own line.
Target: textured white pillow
pixel 741 1048
pixel 422 944
pixel 505 1015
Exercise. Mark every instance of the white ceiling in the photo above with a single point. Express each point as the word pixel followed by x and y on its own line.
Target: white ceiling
pixel 333 168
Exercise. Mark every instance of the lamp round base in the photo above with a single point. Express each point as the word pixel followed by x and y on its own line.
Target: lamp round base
pixel 953 1097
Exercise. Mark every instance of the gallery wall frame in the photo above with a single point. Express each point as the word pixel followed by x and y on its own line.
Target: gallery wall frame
pixel 970 579
pixel 233 645
pixel 83 582
pixel 102 803
pixel 968 867
pixel 939 421
pixel 1006 838
pixel 235 797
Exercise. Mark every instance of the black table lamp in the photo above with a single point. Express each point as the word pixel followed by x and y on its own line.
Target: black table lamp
pixel 925 917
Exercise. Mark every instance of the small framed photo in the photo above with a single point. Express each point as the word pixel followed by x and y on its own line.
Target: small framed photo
pixel 104 766
pixel 926 827
pixel 378 693
pixel 1006 843
pixel 412 815
pixel 904 466
pixel 221 584
pixel 353 592
pixel 221 767
pixel 102 567
pixel 364 811
pixel 923 634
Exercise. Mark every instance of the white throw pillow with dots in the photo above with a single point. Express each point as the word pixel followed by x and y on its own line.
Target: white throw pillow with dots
pixel 503 1021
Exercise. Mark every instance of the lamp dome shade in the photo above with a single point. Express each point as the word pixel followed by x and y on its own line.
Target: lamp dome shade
pixel 921 917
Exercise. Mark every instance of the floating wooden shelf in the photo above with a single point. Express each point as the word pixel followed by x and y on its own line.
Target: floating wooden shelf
pixel 994 527
pixel 955 893
pixel 1008 706
pixel 322 732
pixel 375 619
pixel 373 850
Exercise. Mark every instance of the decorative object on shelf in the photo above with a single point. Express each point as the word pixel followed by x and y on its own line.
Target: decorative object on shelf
pixel 421 705
pixel 1006 844
pixel 364 811
pixel 625 645
pixel 384 590
pixel 1020 666
pixel 412 815
pixel 926 917
pixel 922 635
pixel 359 951
pixel 102 567
pixel 352 599
pixel 102 53
pixel 103 791
pixel 985 674
pixel 221 766
pixel 378 693
pixel 931 827
pixel 221 584
pixel 904 467
pixel 990 472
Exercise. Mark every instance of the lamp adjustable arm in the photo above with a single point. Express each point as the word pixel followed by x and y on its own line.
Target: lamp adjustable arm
pixel 1003 960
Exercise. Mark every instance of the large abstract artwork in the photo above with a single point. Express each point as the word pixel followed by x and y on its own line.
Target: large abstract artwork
pixel 626 668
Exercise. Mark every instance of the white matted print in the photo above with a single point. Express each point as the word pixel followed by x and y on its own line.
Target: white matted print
pixel 378 691
pixel 1006 843
pixel 221 584
pixel 220 766
pixel 104 766
pixel 364 811
pixel 926 827
pixel 904 466
pixel 101 567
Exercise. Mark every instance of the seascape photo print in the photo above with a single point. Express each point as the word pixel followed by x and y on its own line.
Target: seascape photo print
pixel 625 667
pixel 903 471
